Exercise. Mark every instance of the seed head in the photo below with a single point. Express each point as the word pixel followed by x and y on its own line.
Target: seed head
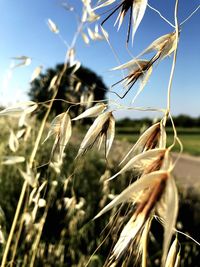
pixel 102 127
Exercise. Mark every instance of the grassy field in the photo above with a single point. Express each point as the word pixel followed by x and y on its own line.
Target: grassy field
pixel 190 137
pixel 77 199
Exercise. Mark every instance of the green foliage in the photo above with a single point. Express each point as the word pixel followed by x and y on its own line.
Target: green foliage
pixel 134 123
pixel 70 236
pixel 183 121
pixel 81 86
pixel 190 137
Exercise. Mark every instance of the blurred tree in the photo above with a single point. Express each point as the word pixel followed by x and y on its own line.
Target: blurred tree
pixel 83 86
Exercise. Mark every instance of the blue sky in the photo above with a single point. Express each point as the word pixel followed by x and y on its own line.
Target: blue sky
pixel 24 31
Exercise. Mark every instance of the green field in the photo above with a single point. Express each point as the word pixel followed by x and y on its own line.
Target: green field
pixel 190 137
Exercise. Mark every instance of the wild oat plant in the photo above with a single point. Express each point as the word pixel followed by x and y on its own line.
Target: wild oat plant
pixel 51 181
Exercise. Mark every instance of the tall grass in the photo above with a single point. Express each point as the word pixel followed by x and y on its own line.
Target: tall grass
pixel 74 209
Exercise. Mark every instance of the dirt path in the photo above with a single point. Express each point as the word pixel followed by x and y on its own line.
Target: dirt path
pixel 187 170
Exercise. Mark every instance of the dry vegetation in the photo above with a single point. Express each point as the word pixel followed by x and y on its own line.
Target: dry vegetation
pixel 77 207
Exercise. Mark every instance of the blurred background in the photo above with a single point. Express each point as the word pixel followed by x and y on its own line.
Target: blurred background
pixel 37 38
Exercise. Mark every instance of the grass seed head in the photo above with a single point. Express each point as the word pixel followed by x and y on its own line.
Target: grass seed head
pixel 52 26
pixel 136 8
pixel 153 137
pixel 92 112
pixel 173 255
pixel 138 70
pixel 102 127
pixel 145 209
pixel 164 46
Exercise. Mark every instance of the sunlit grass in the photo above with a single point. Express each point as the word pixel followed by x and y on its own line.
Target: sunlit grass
pixel 190 137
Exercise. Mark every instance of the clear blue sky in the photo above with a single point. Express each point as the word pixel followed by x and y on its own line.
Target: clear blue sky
pixel 24 31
